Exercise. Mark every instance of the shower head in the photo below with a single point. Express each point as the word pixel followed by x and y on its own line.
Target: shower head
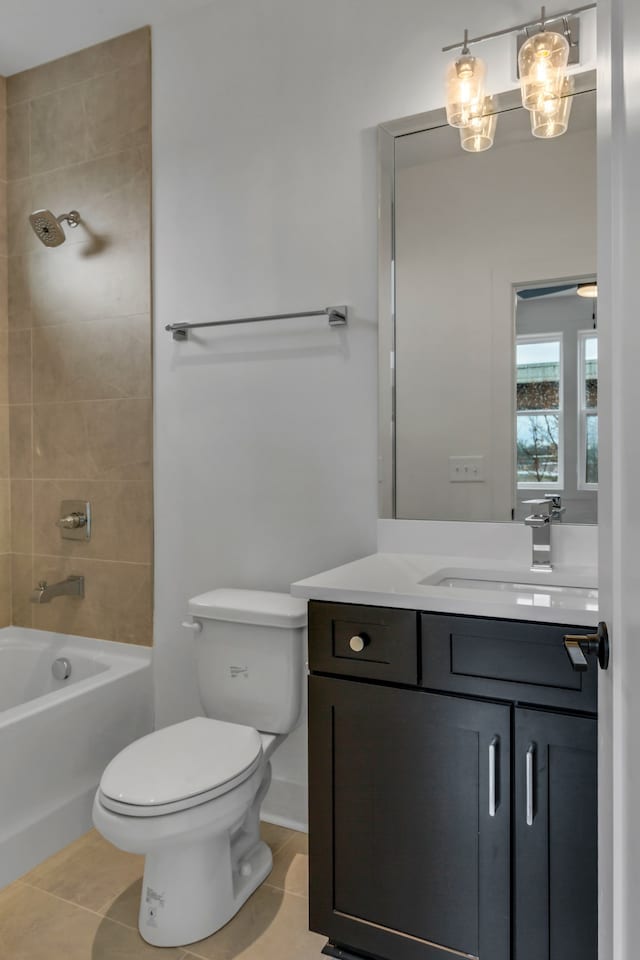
pixel 47 227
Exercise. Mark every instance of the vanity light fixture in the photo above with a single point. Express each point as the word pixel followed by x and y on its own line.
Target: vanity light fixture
pixel 479 134
pixel 588 290
pixel 465 87
pixel 551 117
pixel 542 64
pixel 546 87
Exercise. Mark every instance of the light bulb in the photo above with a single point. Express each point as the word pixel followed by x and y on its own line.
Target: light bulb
pixel 480 132
pixel 588 290
pixel 550 117
pixel 542 63
pixel 465 87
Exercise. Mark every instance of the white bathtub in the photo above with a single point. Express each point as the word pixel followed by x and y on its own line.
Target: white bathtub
pixel 57 736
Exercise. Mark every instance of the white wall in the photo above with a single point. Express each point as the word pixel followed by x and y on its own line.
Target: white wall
pixel 265 200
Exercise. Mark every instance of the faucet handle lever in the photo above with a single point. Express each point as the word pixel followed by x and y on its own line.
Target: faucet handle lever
pixel 544 504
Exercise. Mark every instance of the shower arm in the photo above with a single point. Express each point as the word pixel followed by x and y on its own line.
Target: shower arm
pixel 72 218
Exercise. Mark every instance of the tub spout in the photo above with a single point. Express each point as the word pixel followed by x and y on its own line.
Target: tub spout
pixel 72 587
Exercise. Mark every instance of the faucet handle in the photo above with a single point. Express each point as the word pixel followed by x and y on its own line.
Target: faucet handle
pixel 543 503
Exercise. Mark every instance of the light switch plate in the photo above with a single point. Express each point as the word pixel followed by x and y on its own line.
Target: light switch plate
pixel 466 469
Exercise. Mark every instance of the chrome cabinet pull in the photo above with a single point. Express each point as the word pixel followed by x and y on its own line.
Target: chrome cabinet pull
pixel 531 752
pixel 493 751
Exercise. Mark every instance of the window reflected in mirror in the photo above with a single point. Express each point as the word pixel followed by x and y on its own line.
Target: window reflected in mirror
pixel 556 403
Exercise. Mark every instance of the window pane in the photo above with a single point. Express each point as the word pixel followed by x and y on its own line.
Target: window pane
pixel 538 375
pixel 537 443
pixel 591 372
pixel 591 447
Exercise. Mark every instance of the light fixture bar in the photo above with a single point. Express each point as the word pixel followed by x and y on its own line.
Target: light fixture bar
pixel 549 18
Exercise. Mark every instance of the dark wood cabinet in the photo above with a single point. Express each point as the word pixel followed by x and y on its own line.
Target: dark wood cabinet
pixel 444 823
pixel 409 797
pixel 556 836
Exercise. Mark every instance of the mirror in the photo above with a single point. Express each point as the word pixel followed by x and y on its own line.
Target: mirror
pixel 488 347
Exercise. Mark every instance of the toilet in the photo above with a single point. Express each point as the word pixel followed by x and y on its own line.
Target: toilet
pixel 188 796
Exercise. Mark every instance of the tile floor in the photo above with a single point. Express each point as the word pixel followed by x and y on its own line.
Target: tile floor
pixel 82 904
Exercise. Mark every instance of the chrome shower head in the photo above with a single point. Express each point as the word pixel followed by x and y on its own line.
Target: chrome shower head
pixel 47 227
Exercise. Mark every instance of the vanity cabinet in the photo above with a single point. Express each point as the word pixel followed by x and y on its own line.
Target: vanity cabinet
pixel 449 816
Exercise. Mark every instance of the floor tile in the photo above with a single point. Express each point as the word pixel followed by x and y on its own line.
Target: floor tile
pixel 291 866
pixel 35 925
pixel 124 907
pixel 272 925
pixel 90 872
pixel 275 836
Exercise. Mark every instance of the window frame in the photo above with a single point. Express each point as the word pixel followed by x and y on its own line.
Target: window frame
pixel 583 411
pixel 558 485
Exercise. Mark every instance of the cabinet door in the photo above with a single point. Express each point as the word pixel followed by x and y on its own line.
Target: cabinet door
pixel 556 837
pixel 409 807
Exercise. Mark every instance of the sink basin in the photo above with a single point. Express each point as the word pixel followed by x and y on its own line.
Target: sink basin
pixel 530 588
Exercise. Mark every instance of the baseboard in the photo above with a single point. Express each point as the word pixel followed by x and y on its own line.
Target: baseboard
pixel 286 805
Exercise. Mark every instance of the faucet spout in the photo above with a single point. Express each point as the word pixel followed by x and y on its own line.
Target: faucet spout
pixel 73 586
pixel 544 512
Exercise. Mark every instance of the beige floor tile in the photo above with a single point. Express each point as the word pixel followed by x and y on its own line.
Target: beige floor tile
pixel 291 866
pixel 125 906
pixel 272 925
pixel 275 836
pixel 37 926
pixel 89 872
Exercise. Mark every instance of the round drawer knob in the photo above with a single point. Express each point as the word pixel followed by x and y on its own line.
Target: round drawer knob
pixel 358 643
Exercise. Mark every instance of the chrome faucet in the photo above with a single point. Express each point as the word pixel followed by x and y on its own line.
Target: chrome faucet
pixel 544 512
pixel 71 587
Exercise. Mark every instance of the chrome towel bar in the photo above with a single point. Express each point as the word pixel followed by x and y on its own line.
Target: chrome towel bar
pixel 337 317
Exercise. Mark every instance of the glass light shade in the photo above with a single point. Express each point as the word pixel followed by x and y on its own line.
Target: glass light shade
pixel 551 117
pixel 480 133
pixel 465 87
pixel 542 63
pixel 589 290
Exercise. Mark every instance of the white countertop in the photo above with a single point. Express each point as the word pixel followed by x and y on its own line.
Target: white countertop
pixel 395 580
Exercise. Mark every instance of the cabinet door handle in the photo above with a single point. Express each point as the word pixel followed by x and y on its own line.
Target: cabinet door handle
pixel 493 756
pixel 531 753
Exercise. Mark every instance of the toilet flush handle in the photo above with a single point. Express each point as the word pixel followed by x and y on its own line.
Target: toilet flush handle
pixel 194 625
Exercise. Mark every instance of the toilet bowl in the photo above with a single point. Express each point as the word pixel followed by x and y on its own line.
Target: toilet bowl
pixel 188 796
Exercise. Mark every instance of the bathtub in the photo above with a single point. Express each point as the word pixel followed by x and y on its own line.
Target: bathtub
pixel 57 735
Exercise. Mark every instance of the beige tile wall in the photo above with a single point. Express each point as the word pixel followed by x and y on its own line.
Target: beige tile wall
pixel 5 509
pixel 79 339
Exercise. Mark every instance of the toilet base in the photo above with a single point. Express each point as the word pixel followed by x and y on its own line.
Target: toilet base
pixel 187 893
pixel 190 890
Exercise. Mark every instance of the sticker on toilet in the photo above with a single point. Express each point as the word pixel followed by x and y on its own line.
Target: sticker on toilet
pixel 154 902
pixel 239 672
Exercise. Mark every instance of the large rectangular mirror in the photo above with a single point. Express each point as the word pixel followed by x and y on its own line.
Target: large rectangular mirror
pixel 488 344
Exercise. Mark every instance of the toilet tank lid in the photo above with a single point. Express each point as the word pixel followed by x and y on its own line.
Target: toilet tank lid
pixel 250 606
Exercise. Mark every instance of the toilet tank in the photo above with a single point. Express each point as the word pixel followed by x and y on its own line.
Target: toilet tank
pixel 250 657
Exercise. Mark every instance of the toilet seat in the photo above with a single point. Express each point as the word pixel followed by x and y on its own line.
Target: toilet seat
pixel 179 767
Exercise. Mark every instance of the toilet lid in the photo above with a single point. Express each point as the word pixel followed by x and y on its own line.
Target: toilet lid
pixel 179 763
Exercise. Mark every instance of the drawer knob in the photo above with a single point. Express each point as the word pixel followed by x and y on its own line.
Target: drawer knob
pixel 358 643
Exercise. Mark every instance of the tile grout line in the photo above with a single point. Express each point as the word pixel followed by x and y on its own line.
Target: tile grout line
pixel 72 903
pixel 283 890
pixel 143 145
pixel 76 83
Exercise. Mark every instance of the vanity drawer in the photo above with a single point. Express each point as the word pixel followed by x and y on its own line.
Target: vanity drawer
pixel 505 659
pixel 389 640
